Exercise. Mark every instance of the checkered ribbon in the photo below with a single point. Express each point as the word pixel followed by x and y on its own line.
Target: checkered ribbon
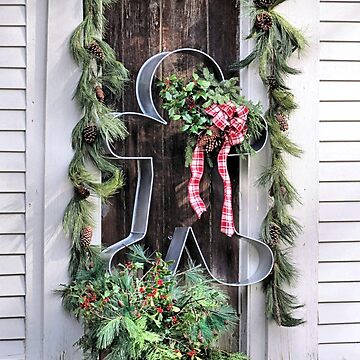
pixel 232 120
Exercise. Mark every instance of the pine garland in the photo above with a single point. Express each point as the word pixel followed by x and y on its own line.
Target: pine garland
pixel 100 70
pixel 276 40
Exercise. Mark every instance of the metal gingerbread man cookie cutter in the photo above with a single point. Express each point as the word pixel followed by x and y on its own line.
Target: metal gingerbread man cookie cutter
pixel 144 187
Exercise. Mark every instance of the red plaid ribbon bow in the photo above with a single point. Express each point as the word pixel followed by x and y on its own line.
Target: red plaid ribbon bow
pixel 232 120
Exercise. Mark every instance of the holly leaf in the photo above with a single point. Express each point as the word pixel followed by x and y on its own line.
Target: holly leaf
pixel 204 84
pixel 190 86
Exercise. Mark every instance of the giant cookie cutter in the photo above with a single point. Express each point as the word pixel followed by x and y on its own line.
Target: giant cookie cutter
pixel 145 168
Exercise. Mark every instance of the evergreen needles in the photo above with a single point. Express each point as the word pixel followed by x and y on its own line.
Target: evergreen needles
pixel 144 312
pixel 100 70
pixel 276 40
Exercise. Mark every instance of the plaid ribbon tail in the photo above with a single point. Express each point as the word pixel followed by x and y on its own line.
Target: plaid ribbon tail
pixel 227 218
pixel 197 170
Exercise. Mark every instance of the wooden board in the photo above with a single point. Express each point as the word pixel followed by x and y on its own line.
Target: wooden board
pixel 13 57
pixel 339 90
pixel 12 182
pixel 335 111
pixel 337 191
pixel 12 329
pixel 12 99
pixel 349 251
pixel 345 333
pixel 339 313
pixel 339 51
pixel 12 36
pixel 12 223
pixel 339 351
pixel 339 171
pixel 340 151
pixel 12 15
pixel 12 119
pixel 12 244
pixel 12 162
pixel 340 211
pixel 12 349
pixel 145 27
pixel 12 203
pixel 339 292
pixel 339 271
pixel 12 78
pixel 340 12
pixel 339 231
pixel 13 285
pixel 12 264
pixel 12 307
pixel 335 32
pixel 340 131
pixel 340 70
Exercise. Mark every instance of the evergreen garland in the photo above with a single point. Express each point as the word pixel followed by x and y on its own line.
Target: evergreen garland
pixel 276 40
pixel 100 71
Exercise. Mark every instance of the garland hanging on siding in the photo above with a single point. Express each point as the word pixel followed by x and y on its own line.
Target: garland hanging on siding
pixel 276 40
pixel 100 71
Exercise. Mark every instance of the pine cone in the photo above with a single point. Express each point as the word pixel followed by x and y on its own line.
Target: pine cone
pixel 283 190
pixel 275 231
pixel 264 21
pixel 82 192
pixel 86 236
pixel 283 121
pixel 95 49
pixel 100 93
pixel 263 4
pixel 272 82
pixel 90 133
pixel 211 142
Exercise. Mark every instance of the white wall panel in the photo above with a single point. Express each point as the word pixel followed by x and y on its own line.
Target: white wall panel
pixel 12 15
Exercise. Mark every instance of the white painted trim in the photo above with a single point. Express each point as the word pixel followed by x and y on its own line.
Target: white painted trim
pixel 35 122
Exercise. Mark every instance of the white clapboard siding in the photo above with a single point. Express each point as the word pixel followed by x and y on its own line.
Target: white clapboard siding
pixel 12 99
pixel 344 70
pixel 12 244
pixel 12 349
pixel 12 78
pixel 12 264
pixel 340 12
pixel 12 161
pixel 339 292
pixel 12 141
pixel 339 351
pixel 339 271
pixel 12 203
pixel 339 51
pixel 12 182
pixel 339 313
pixel 12 15
pixel 339 333
pixel 340 131
pixel 340 32
pixel 340 90
pixel 12 223
pixel 339 212
pixel 12 307
pixel 12 285
pixel 339 251
pixel 12 120
pixel 12 329
pixel 337 191
pixel 13 57
pixel 334 111
pixel 340 151
pixel 339 231
pixel 12 36
pixel 12 178
pixel 339 188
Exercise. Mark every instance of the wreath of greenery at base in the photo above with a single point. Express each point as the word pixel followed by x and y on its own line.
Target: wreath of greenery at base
pixel 144 312
pixel 275 42
pixel 187 101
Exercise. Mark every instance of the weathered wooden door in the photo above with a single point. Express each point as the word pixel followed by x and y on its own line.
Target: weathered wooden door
pixel 141 28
